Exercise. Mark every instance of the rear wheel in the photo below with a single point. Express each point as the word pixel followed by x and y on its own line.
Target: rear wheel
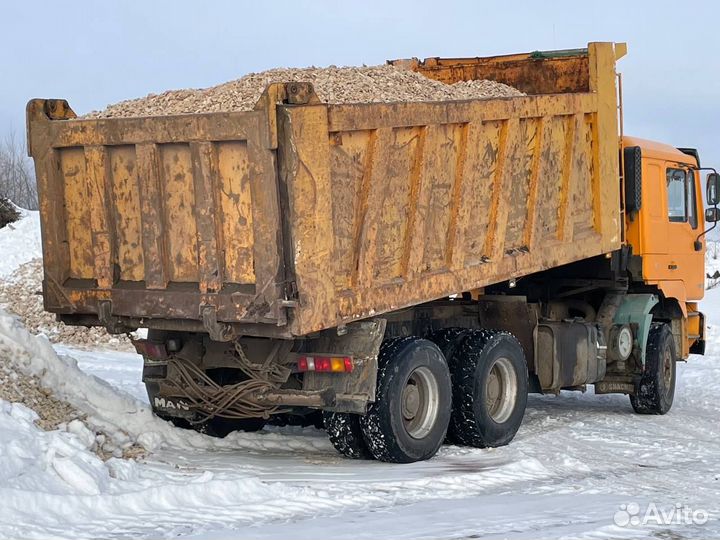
pixel 346 435
pixel 410 415
pixel 449 341
pixel 655 391
pixel 490 385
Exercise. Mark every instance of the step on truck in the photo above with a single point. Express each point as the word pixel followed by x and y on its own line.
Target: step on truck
pixel 400 273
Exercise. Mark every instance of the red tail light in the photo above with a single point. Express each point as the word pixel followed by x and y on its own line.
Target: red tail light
pixel 150 349
pixel 322 363
pixel 329 364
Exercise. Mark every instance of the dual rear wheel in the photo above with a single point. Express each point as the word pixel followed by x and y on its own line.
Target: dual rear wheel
pixel 468 386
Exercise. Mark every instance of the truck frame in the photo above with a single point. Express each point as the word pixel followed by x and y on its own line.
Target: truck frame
pixel 411 270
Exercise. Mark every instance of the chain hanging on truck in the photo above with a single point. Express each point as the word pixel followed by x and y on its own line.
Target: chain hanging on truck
pixel 236 401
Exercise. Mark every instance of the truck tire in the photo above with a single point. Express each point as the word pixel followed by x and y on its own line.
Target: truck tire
pixel 409 418
pixel 449 340
pixel 346 435
pixel 655 390
pixel 490 386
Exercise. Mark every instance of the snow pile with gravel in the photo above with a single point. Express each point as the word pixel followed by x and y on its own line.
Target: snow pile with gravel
pixel 31 374
pixel 367 84
pixel 21 275
pixel 16 387
pixel 21 294
pixel 117 413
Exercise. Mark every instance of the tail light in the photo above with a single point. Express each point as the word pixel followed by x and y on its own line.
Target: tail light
pixel 150 349
pixel 329 364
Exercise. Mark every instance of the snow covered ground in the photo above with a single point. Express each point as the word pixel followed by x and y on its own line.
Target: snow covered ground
pixel 581 466
pixel 20 242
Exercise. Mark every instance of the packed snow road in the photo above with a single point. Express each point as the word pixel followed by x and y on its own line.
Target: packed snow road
pixel 577 466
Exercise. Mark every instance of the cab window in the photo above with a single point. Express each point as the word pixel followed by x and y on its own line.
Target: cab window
pixel 681 196
pixel 691 199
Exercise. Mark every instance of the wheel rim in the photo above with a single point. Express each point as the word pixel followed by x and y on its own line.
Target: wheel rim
pixel 501 390
pixel 420 403
pixel 667 368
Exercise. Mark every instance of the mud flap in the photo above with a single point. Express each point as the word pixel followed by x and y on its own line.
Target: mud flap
pixel 354 390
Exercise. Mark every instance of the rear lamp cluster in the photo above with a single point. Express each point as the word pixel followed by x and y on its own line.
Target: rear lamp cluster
pixel 151 349
pixel 332 364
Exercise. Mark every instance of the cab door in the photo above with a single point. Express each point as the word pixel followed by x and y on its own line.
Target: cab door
pixel 681 261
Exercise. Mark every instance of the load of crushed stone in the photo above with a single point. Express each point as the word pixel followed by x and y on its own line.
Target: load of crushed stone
pixel 367 84
pixel 21 294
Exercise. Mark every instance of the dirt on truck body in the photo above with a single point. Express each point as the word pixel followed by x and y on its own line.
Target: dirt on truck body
pixel 286 257
pixel 350 208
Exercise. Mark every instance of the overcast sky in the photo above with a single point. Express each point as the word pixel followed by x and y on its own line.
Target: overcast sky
pixel 96 53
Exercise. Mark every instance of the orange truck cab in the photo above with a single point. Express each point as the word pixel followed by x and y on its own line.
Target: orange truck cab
pixel 665 229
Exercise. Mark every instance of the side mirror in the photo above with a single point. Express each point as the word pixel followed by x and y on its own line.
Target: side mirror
pixel 712 215
pixel 713 189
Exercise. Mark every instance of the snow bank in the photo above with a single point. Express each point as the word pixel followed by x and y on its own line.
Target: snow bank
pixel 33 459
pixel 49 479
pixel 53 487
pixel 126 419
pixel 20 242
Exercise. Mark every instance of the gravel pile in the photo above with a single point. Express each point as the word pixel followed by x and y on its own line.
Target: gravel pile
pixel 21 294
pixel 16 387
pixel 56 414
pixel 333 85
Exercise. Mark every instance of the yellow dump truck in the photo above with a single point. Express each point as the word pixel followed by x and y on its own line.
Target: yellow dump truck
pixel 403 272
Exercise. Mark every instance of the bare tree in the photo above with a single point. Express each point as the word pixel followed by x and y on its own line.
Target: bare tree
pixel 17 176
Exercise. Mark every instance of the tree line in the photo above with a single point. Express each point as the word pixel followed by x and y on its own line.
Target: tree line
pixel 17 175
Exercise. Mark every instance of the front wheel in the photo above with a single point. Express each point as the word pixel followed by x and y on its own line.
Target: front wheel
pixel 655 390
pixel 410 415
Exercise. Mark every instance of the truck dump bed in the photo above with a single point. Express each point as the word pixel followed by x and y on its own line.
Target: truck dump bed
pixel 300 216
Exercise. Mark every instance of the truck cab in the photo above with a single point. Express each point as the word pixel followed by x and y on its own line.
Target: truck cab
pixel 664 226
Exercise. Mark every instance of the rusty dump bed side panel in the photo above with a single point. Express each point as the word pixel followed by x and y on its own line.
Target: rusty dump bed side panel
pixel 158 217
pixel 392 205
pixel 301 216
